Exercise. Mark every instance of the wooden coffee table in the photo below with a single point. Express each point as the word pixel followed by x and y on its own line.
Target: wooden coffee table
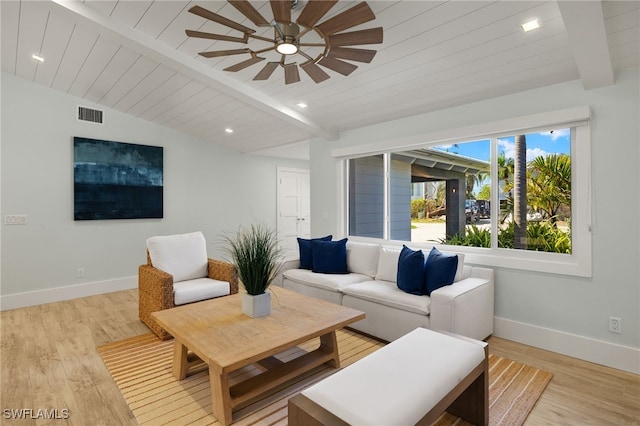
pixel 218 333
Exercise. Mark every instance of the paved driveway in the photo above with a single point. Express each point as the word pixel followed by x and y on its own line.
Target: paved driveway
pixel 433 232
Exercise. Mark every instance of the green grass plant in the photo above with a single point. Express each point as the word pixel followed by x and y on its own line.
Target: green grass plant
pixel 256 255
pixel 541 236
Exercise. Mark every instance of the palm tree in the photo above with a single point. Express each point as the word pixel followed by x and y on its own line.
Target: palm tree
pixel 550 184
pixel 472 180
pixel 505 174
pixel 520 193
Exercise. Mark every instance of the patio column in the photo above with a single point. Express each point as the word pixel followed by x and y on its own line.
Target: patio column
pixel 456 219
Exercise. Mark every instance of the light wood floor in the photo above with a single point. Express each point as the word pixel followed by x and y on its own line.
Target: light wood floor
pixel 49 361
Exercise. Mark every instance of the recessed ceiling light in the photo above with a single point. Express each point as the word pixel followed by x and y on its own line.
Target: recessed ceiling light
pixel 228 130
pixel 302 105
pixel 37 58
pixel 531 25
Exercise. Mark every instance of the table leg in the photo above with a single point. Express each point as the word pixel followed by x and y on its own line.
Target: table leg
pixel 220 396
pixel 180 361
pixel 329 344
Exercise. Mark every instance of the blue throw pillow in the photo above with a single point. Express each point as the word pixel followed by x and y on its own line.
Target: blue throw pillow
pixel 330 257
pixel 440 270
pixel 410 277
pixel 306 257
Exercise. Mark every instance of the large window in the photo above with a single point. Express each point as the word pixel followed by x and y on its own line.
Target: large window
pixel 506 193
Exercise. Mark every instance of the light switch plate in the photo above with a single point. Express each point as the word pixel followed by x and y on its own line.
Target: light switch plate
pixel 15 219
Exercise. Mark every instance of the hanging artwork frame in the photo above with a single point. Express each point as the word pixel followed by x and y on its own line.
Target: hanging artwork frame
pixel 117 180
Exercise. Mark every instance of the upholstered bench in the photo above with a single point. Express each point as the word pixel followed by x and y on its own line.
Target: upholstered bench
pixel 412 380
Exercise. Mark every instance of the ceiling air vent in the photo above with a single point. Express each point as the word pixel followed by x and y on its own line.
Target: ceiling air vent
pixel 91 115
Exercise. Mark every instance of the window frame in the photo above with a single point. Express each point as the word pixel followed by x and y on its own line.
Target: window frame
pixel 578 263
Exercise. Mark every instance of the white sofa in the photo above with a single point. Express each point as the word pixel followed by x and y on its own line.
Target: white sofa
pixel 464 307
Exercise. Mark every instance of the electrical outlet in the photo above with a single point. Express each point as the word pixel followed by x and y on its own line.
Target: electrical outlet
pixel 80 273
pixel 615 325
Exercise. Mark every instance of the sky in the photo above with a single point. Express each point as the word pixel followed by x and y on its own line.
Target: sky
pixel 553 142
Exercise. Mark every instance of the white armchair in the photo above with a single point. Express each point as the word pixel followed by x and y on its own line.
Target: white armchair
pixel 178 272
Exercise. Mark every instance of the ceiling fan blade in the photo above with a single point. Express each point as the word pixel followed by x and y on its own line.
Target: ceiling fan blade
pixel 368 36
pixel 291 74
pixel 281 10
pixel 218 53
pixel 359 14
pixel 250 12
pixel 313 12
pixel 201 11
pixel 244 64
pixel 359 55
pixel 266 72
pixel 344 68
pixel 200 34
pixel 315 72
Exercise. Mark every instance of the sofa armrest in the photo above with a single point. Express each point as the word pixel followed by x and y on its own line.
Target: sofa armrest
pixel 155 293
pixel 465 307
pixel 223 271
pixel 287 265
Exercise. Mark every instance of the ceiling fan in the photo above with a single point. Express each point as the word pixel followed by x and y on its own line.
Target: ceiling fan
pixel 287 38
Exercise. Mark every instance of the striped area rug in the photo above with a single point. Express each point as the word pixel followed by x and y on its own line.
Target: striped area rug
pixel 141 367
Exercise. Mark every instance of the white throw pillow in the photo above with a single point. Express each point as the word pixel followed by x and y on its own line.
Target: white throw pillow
pixel 460 268
pixel 184 256
pixel 362 258
pixel 388 264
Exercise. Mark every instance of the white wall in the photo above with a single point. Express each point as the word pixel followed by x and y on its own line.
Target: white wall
pixel 557 312
pixel 206 187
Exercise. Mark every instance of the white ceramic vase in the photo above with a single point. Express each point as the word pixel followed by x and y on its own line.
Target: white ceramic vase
pixel 256 306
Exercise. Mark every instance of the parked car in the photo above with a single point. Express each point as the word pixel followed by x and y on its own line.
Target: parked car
pixel 484 209
pixel 471 211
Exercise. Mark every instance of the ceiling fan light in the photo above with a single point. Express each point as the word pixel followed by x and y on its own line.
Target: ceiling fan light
pixel 286 48
pixel 287 35
pixel 286 38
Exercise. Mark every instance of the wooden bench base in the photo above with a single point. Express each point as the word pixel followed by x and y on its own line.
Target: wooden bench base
pixel 468 400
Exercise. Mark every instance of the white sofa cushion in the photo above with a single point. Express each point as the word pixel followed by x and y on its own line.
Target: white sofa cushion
pixel 388 264
pixel 184 255
pixel 362 258
pixel 460 270
pixel 399 383
pixel 198 289
pixel 334 282
pixel 387 293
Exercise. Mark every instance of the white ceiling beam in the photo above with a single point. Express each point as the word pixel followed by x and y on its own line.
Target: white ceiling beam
pixel 147 46
pixel 584 23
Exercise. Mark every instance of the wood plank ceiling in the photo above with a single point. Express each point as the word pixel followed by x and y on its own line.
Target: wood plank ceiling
pixel 134 57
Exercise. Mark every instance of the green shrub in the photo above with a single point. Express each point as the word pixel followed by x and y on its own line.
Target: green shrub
pixel 477 237
pixel 541 236
pixel 505 236
pixel 417 205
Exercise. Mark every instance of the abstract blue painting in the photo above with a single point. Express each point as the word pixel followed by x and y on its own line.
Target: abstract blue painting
pixel 115 180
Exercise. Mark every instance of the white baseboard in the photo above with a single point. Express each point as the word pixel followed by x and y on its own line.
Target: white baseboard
pixel 624 358
pixel 38 297
pixel 605 353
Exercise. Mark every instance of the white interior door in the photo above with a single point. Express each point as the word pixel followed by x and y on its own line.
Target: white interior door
pixel 294 208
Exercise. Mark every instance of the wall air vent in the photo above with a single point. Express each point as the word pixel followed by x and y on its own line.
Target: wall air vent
pixel 91 115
